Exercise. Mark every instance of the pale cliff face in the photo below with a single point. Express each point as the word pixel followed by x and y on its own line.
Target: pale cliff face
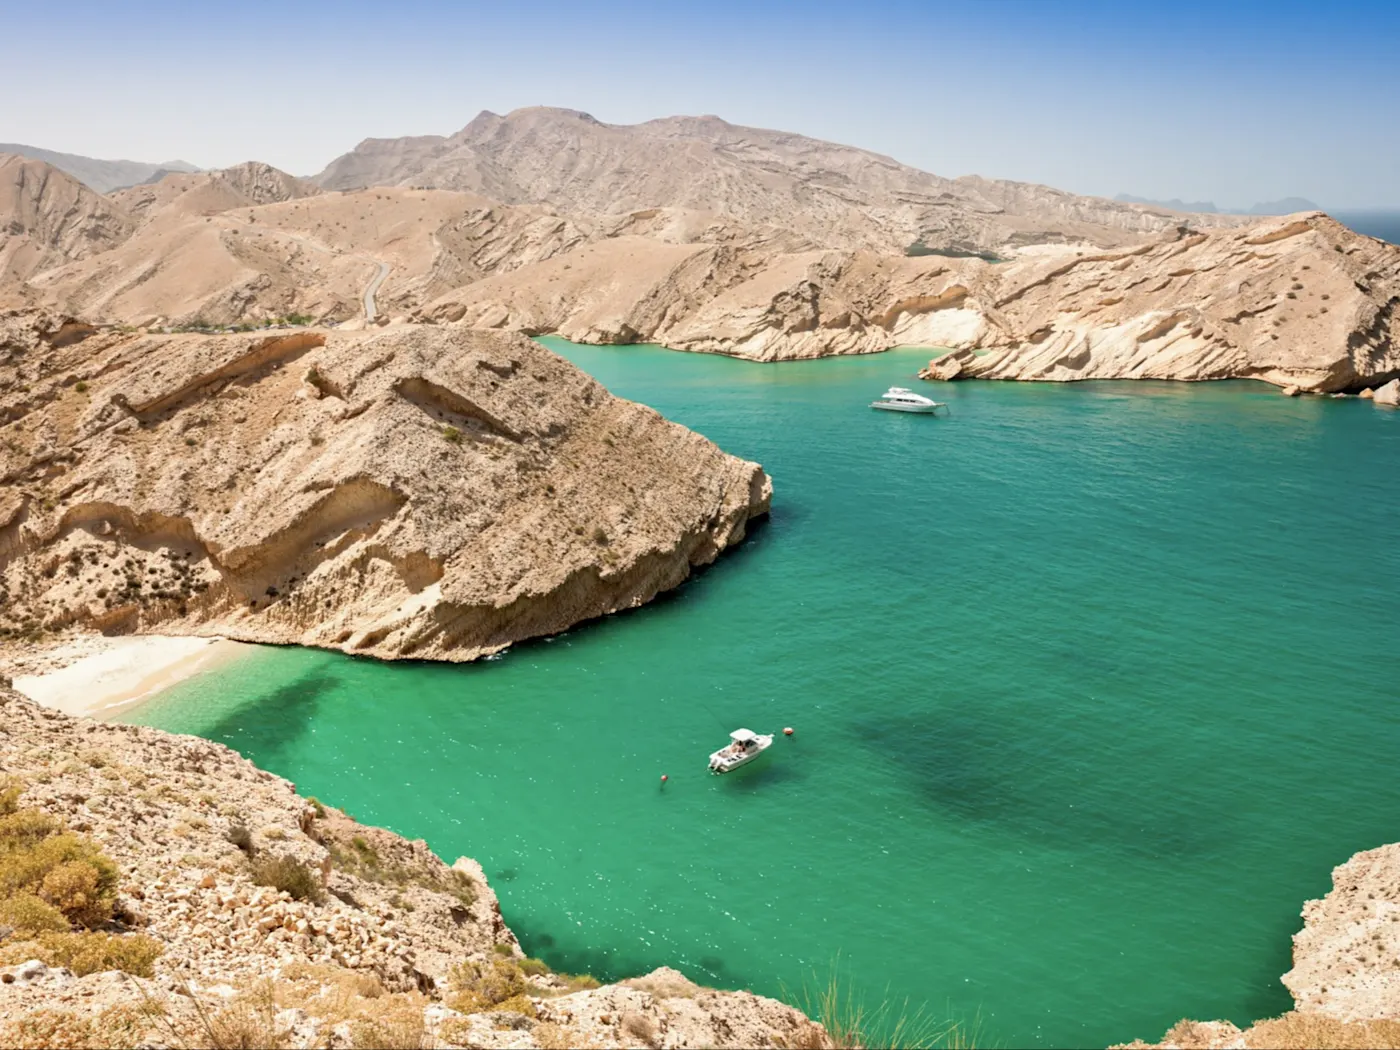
pixel 429 492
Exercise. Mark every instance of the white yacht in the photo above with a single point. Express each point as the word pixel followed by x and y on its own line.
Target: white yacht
pixel 743 748
pixel 900 399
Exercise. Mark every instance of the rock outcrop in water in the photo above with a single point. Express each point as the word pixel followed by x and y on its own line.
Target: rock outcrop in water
pixel 436 493
pixel 275 920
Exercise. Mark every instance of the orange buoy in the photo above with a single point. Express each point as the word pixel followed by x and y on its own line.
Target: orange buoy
pixel 787 731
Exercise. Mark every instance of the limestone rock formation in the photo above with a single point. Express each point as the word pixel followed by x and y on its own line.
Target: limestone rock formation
pixel 1343 958
pixel 433 492
pixel 838 196
pixel 366 938
pixel 1344 981
pixel 1388 395
pixel 1299 302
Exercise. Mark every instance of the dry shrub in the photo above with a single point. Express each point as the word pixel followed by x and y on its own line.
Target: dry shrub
pixel 64 870
pixel 398 1030
pixel 248 1022
pixel 1195 1035
pixel 551 1036
pixel 88 952
pixel 28 914
pixel 642 1028
pixel 677 987
pixel 114 1028
pixel 534 968
pixel 1311 1031
pixel 480 986
pixel 289 875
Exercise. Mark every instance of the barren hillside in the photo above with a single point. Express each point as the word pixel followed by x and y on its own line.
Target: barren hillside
pixel 429 492
pixel 838 196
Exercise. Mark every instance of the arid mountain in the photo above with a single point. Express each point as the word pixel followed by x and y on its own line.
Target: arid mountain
pixel 739 261
pixel 424 491
pixel 837 196
pixel 100 175
pixel 48 218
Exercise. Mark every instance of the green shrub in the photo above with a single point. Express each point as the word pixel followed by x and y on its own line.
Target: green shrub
pixel 453 435
pixel 290 875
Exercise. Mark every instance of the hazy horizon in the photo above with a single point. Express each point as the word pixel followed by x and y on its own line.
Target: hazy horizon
pixel 1252 104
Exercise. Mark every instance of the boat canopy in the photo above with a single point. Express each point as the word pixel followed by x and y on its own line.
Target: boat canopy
pixel 740 736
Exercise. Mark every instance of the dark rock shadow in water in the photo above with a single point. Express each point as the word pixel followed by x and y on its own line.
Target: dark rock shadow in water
pixel 964 768
pixel 265 730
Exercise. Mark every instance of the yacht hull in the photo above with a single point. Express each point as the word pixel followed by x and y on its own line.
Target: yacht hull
pixel 888 406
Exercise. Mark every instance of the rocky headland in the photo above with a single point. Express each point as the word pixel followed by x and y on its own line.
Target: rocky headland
pixel 433 492
pixel 160 890
pixel 1345 979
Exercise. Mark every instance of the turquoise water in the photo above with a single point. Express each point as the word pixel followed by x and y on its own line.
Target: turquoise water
pixel 1091 685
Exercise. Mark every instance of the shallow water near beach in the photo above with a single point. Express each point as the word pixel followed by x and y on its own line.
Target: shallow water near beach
pixel 1091 684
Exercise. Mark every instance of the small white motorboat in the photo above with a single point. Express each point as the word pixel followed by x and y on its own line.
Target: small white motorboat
pixel 743 748
pixel 900 399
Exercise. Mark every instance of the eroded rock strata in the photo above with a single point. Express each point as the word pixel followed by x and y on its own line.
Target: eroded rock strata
pixel 1301 301
pixel 430 492
pixel 275 920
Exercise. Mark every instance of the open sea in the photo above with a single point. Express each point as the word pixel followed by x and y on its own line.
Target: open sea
pixel 1092 686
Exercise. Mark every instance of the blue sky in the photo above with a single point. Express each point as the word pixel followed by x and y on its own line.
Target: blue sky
pixel 1231 103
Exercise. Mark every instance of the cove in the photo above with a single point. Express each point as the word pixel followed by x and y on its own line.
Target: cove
pixel 1090 685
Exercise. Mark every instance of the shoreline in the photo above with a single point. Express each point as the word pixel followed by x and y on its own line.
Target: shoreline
pixel 98 677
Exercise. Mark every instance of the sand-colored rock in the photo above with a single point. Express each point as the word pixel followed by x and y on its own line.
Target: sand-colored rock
pixel 48 218
pixel 837 196
pixel 1343 958
pixel 1301 302
pixel 1388 395
pixel 1344 980
pixel 433 492
pixel 187 821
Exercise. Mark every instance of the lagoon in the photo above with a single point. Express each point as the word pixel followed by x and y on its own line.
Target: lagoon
pixel 1090 686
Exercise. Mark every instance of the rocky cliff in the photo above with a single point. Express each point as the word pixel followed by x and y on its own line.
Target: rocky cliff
pixel 222 909
pixel 1301 301
pixel 429 492
pixel 1345 979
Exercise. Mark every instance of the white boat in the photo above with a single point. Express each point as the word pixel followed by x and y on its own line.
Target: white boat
pixel 900 399
pixel 744 747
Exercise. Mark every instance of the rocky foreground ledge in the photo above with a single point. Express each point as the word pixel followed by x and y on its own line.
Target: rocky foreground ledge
pixel 160 890
pixel 427 492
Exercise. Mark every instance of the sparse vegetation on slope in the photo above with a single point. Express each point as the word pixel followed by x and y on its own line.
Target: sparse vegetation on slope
pixel 58 896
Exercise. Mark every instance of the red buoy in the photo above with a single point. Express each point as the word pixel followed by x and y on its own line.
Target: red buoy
pixel 787 731
pixel 664 777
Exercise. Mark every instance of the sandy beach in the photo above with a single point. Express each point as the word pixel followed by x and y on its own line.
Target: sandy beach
pixel 101 677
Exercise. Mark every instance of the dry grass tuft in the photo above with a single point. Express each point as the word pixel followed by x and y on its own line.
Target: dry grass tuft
pixel 290 875
pixel 642 1028
pixel 1311 1031
pixel 850 1024
pixel 112 1029
pixel 666 987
